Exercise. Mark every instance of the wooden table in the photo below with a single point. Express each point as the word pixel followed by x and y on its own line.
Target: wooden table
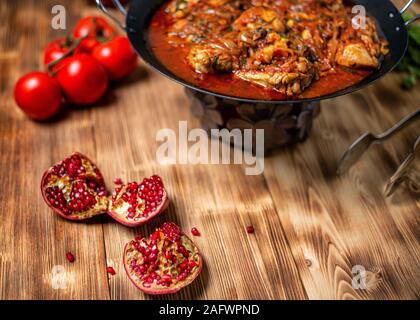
pixel 311 227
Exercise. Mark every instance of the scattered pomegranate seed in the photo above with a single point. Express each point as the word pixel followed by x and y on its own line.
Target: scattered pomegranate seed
pixel 111 271
pixel 195 232
pixel 250 229
pixel 118 181
pixel 70 256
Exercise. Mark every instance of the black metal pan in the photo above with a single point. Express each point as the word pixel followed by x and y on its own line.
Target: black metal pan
pixel 391 25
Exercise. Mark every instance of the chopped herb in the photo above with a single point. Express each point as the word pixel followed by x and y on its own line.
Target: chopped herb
pixel 242 61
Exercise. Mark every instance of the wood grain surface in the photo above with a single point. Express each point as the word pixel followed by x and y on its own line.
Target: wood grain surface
pixel 311 227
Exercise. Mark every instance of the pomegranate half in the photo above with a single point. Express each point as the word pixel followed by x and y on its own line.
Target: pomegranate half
pixel 163 263
pixel 75 189
pixel 138 202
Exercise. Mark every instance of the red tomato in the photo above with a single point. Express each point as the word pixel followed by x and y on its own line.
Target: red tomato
pixel 59 47
pixel 38 95
pixel 56 49
pixel 87 45
pixel 117 57
pixel 93 27
pixel 82 79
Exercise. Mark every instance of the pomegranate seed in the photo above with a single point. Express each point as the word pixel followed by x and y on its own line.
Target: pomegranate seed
pixel 132 186
pixel 70 256
pixel 111 271
pixel 56 199
pixel 250 229
pixel 166 278
pixel 183 265
pixel 195 232
pixel 168 255
pixel 151 191
pixel 181 277
pixel 171 231
pixel 118 181
pixel 183 251
pixel 91 184
pixel 155 235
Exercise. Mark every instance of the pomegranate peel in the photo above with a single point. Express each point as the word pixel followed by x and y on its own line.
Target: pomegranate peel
pixel 163 263
pixel 75 189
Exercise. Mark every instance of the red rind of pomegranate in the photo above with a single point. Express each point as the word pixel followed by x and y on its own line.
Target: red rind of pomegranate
pixel 133 204
pixel 75 189
pixel 163 263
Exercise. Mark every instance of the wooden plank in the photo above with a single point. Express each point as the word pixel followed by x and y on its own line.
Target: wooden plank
pixel 34 239
pixel 334 223
pixel 311 227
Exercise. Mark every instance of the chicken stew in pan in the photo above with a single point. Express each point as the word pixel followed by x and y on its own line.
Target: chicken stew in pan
pixel 265 49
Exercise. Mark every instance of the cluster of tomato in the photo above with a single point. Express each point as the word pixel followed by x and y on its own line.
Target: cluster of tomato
pixel 79 68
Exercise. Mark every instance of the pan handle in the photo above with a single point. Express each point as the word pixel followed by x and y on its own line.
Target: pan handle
pixel 415 18
pixel 119 6
pixel 407 5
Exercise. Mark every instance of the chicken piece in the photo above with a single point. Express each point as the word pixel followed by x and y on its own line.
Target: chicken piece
pixel 355 55
pixel 266 53
pixel 255 24
pixel 259 17
pixel 281 78
pixel 208 59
